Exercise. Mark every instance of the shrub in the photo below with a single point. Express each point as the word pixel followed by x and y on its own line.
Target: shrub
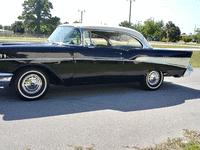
pixel 186 39
pixel 165 39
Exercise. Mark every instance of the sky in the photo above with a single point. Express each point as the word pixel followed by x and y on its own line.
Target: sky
pixel 183 13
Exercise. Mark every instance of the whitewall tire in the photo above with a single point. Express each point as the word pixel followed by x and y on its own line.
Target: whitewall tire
pixel 152 80
pixel 31 84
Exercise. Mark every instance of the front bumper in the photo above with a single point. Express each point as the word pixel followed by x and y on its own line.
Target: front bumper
pixel 188 71
pixel 5 76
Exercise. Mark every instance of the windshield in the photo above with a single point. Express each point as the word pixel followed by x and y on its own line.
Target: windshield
pixel 66 35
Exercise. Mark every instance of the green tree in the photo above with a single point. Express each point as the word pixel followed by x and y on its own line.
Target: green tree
pixel 156 29
pixel 76 22
pixel 7 28
pixel 186 39
pixel 44 29
pixel 152 29
pixel 1 27
pixel 172 32
pixel 159 33
pixel 51 24
pixel 149 28
pixel 165 39
pixel 17 27
pixel 197 36
pixel 35 13
pixel 125 24
pixel 136 27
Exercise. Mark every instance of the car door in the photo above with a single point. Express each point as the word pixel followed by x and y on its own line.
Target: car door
pixel 97 62
pixel 131 49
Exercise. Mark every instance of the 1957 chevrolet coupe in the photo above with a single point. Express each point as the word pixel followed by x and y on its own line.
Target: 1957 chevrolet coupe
pixel 79 54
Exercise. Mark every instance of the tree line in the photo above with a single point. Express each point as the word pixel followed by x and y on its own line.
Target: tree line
pixel 196 36
pixel 156 30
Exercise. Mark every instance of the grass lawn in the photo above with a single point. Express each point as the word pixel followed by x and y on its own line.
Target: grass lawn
pixel 175 46
pixel 195 60
pixel 189 141
pixel 22 39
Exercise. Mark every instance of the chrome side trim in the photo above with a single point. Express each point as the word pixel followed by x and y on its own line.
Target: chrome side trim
pixel 5 77
pixel 6 74
pixel 171 61
pixel 24 59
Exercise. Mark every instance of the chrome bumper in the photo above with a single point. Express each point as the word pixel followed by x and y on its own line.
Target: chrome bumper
pixel 188 71
pixel 5 76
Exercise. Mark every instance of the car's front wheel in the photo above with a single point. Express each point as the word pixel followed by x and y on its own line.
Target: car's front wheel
pixel 31 84
pixel 152 80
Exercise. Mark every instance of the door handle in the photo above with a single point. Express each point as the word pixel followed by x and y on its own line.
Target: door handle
pixel 118 53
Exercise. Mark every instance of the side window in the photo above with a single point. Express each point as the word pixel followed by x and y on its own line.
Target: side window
pixel 124 40
pixel 93 39
pixel 98 39
pixel 87 38
pixel 74 37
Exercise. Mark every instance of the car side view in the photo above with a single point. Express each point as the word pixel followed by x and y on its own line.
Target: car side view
pixel 82 54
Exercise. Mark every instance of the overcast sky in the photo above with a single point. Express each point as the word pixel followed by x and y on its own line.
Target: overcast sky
pixel 184 13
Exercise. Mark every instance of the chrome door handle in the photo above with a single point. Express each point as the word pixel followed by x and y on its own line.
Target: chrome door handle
pixel 118 53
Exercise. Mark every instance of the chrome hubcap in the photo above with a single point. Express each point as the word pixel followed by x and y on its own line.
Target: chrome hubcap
pixel 32 84
pixel 153 78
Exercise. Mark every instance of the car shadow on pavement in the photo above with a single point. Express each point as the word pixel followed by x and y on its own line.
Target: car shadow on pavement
pixel 62 100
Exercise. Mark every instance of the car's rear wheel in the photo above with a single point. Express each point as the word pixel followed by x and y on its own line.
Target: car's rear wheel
pixel 152 80
pixel 31 84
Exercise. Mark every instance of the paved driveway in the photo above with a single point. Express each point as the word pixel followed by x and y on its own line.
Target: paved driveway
pixel 108 117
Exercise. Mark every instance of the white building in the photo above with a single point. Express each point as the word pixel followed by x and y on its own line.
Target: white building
pixel 5 31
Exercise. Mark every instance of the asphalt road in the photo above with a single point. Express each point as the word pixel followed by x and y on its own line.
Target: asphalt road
pixel 105 117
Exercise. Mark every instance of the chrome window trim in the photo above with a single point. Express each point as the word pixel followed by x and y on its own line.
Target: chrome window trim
pixel 82 37
pixel 143 44
pixel 81 32
pixel 85 30
pixel 116 29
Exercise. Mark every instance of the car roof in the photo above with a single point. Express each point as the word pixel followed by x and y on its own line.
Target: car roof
pixel 114 29
pixel 117 29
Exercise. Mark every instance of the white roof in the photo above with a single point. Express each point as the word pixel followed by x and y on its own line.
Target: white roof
pixel 113 29
pixel 109 28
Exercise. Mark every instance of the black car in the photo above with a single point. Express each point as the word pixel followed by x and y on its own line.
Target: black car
pixel 79 54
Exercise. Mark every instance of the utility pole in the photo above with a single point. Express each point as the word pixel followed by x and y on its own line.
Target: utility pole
pixel 130 11
pixel 81 14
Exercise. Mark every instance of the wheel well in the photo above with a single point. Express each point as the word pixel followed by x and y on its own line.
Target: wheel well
pixel 159 70
pixel 53 77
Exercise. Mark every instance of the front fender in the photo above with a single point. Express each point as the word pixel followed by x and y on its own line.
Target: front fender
pixel 53 76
